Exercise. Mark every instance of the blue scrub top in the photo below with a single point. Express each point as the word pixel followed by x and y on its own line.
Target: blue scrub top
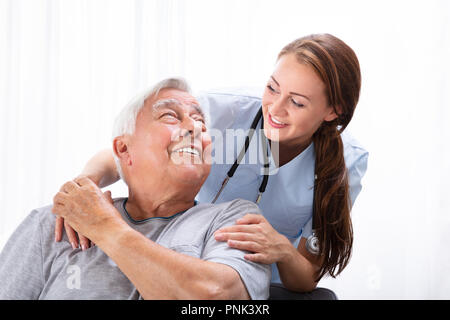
pixel 287 201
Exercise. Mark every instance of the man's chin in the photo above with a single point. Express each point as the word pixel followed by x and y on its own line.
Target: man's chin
pixel 191 174
pixel 185 159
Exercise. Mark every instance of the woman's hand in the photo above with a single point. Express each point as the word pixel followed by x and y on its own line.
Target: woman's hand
pixel 84 207
pixel 254 233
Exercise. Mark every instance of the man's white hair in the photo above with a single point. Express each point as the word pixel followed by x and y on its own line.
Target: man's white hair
pixel 125 122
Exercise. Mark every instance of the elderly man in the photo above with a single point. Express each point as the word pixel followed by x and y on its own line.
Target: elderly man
pixel 156 244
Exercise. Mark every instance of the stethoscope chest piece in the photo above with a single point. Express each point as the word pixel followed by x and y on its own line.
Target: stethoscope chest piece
pixel 312 244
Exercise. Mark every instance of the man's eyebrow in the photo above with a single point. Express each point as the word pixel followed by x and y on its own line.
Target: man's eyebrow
pixel 199 110
pixel 293 93
pixel 165 103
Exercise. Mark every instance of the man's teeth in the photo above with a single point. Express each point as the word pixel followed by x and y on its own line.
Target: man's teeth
pixel 188 150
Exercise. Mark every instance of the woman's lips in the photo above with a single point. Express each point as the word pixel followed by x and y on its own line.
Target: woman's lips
pixel 274 124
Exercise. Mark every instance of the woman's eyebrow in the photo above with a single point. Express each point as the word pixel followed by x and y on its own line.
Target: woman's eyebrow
pixel 293 93
pixel 275 80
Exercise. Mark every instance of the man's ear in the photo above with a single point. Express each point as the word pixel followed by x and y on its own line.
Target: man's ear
pixel 332 115
pixel 120 149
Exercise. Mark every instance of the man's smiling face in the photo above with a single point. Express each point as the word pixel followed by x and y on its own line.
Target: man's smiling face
pixel 170 142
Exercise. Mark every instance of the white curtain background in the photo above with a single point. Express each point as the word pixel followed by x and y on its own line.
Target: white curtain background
pixel 67 67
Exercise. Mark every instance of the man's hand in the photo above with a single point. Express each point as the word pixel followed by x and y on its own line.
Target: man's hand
pixel 85 208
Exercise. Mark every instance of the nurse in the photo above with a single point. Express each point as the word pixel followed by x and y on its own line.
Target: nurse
pixel 316 168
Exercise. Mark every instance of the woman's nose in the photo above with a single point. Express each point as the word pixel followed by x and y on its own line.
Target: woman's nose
pixel 277 106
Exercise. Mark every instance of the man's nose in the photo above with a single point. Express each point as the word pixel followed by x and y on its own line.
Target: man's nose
pixel 190 127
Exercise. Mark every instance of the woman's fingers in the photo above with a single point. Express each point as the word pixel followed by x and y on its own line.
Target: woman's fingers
pixel 240 228
pixel 225 236
pixel 244 245
pixel 59 228
pixel 72 235
pixel 250 218
pixel 257 257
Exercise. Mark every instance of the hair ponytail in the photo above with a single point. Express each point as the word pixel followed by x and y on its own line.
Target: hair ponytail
pixel 338 67
pixel 332 221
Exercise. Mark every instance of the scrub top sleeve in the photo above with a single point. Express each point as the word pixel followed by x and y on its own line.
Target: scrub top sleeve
pixel 356 171
pixel 356 158
pixel 307 229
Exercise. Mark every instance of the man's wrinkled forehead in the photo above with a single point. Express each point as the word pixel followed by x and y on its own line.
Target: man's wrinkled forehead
pixel 174 102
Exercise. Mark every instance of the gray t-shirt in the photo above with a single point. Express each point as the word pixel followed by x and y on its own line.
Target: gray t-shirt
pixel 34 266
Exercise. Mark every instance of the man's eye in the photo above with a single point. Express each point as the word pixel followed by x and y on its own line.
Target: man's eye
pixel 169 115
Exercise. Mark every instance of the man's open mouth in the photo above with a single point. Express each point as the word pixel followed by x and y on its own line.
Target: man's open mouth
pixel 189 150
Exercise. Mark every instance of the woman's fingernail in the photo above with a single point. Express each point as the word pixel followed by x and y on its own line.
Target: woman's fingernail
pixel 83 247
pixel 74 246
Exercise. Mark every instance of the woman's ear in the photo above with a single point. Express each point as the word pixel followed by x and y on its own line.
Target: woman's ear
pixel 120 149
pixel 332 115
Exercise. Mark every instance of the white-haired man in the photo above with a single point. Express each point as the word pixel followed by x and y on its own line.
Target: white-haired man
pixel 157 243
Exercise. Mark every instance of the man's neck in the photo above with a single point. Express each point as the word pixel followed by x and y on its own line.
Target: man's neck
pixel 144 206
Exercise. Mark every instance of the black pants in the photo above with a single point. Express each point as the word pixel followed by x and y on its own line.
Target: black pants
pixel 278 292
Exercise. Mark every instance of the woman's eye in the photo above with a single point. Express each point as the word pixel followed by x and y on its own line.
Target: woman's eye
pixel 271 88
pixel 297 104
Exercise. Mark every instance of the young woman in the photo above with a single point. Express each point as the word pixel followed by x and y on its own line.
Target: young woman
pixel 308 102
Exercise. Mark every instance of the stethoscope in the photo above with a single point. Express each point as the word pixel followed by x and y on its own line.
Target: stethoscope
pixel 312 242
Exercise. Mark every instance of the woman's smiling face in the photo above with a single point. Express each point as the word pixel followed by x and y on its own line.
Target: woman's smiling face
pixel 294 103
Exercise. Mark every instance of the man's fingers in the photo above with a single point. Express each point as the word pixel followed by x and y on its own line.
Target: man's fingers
pixel 59 199
pixel 108 196
pixel 83 181
pixel 59 228
pixel 69 187
pixel 85 243
pixel 72 235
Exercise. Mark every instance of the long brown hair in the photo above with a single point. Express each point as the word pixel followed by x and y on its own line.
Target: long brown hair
pixel 338 67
